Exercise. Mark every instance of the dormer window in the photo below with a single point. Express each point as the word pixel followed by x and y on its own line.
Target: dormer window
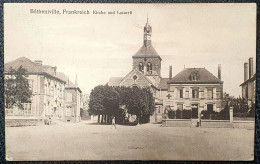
pixel 194 76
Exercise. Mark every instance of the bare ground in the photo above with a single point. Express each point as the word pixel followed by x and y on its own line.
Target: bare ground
pixel 88 141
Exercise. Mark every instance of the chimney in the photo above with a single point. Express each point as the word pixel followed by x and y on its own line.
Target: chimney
pixel 38 62
pixel 251 67
pixel 219 71
pixel 245 71
pixel 170 72
pixel 76 81
pixel 54 69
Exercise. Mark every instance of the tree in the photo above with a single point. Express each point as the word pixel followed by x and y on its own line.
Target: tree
pixel 104 101
pixel 110 101
pixel 140 102
pixel 95 102
pixel 17 88
pixel 240 105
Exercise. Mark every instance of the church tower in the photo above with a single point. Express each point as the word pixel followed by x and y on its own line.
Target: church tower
pixel 147 34
pixel 146 59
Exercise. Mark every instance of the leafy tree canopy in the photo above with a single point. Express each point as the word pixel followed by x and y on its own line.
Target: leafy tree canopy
pixel 17 89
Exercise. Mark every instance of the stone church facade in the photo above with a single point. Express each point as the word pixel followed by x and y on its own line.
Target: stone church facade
pixel 194 89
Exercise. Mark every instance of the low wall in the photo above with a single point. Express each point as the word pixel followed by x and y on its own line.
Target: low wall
pixel 244 118
pixel 216 124
pixel 244 124
pixel 176 122
pixel 209 123
pixel 23 122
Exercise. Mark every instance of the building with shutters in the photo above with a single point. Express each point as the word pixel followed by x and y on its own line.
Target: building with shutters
pixel 50 90
pixel 194 89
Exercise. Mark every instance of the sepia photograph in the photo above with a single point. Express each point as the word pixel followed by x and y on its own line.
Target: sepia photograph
pixel 173 81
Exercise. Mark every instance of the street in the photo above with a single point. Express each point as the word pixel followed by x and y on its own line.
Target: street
pixel 89 141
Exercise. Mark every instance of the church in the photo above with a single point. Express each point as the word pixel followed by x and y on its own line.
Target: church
pixel 194 89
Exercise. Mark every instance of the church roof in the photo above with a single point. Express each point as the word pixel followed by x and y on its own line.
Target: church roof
pixel 31 67
pixel 204 76
pixel 146 51
pixel 114 81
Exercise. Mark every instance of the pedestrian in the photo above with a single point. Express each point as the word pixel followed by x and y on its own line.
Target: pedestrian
pixel 113 122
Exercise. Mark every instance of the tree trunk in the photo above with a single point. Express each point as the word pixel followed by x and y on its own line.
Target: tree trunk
pixel 98 118
pixel 108 119
pixel 102 119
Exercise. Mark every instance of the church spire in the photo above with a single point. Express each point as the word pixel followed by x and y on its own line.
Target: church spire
pixel 147 33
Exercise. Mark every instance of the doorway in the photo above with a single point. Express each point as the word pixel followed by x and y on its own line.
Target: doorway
pixel 210 108
pixel 194 111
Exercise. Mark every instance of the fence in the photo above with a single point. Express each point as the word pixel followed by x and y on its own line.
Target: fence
pixel 27 111
pixel 231 123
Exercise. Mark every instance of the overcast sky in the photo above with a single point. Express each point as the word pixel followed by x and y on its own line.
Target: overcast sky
pixel 97 47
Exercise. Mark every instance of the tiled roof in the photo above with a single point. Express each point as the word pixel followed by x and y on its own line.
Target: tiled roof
pixel 68 84
pixel 31 67
pixel 114 81
pixel 204 76
pixel 163 83
pixel 146 51
pixel 248 80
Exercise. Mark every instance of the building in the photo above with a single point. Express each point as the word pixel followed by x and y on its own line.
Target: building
pixel 72 100
pixel 48 90
pixel 191 87
pixel 248 86
pixel 195 89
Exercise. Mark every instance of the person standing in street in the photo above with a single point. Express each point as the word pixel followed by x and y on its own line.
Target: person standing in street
pixel 113 122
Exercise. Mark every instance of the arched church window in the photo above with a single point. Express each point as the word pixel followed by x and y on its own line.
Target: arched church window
pixel 141 67
pixel 149 67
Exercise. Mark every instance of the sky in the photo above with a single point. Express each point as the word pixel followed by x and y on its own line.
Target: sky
pixel 95 47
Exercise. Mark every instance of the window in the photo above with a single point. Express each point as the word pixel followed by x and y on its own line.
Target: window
pixel 134 77
pixel 55 90
pixel 210 93
pixel 247 92
pixel 195 93
pixel 49 88
pixel 30 84
pixel 52 91
pixel 68 111
pixel 180 93
pixel 141 67
pixel 45 88
pixel 194 76
pixel 149 66
pixel 69 97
